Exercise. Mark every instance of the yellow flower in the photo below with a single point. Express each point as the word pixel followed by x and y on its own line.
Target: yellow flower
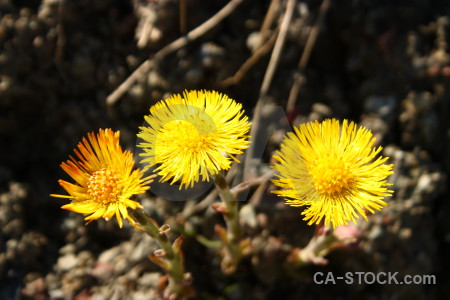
pixel 104 177
pixel 192 135
pixel 332 170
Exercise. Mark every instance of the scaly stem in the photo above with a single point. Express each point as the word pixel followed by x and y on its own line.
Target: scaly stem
pixel 316 250
pixel 230 211
pixel 170 258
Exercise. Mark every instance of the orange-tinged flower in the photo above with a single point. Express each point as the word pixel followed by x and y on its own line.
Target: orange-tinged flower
pixel 105 179
pixel 332 169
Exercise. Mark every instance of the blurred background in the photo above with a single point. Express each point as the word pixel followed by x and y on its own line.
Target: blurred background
pixel 382 64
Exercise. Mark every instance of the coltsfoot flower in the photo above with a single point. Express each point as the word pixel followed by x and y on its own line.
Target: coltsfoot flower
pixel 105 179
pixel 193 136
pixel 332 169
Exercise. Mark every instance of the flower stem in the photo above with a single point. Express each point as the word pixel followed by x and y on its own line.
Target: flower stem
pixel 170 257
pixel 231 238
pixel 316 250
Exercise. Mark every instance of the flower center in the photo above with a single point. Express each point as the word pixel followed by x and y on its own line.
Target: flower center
pixel 104 186
pixel 331 176
pixel 185 137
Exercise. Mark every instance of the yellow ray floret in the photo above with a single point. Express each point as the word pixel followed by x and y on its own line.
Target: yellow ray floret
pixel 105 179
pixel 192 136
pixel 333 170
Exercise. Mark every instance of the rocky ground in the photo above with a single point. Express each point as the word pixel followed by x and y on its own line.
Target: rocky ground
pixel 383 64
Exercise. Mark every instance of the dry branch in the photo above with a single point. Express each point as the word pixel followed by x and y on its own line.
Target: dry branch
pixel 194 34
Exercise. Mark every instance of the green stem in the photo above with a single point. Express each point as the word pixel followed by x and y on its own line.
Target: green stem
pixel 172 260
pixel 318 247
pixel 231 216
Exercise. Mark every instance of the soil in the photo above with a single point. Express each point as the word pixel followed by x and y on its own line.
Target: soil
pixel 383 64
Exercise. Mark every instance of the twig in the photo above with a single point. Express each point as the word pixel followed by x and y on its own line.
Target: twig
pixel 235 190
pixel 248 184
pixel 269 18
pixel 61 38
pixel 298 82
pixel 60 42
pixel 213 194
pixel 183 13
pixel 274 59
pixel 237 77
pixel 263 46
pixel 173 46
pixel 279 44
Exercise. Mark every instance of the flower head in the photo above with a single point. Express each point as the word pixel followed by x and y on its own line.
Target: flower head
pixel 191 136
pixel 332 169
pixel 104 177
